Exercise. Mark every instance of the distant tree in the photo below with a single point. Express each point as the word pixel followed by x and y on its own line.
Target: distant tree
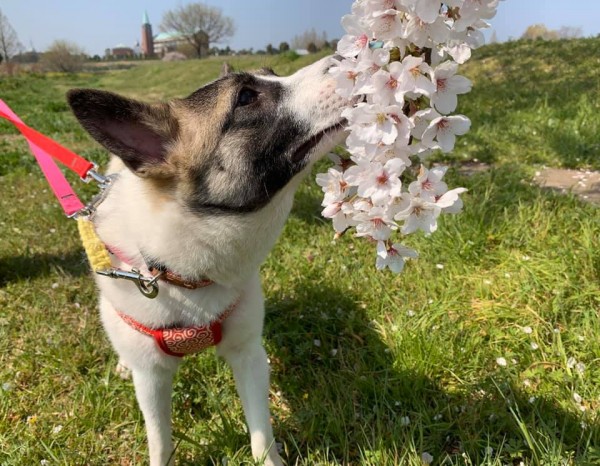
pixel 284 47
pixel 333 43
pixel 26 57
pixel 312 48
pixel 9 42
pixel 194 20
pixel 271 50
pixel 188 50
pixel 539 31
pixel 63 56
pixel 570 32
pixel 303 40
pixel 493 37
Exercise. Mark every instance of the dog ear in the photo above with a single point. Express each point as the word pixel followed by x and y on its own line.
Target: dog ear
pixel 136 132
pixel 226 69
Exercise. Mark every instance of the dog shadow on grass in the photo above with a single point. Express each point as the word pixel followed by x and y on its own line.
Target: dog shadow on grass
pixel 29 267
pixel 348 396
pixel 342 395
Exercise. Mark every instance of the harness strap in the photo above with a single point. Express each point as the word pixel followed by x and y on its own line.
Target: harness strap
pixel 181 341
pixel 177 280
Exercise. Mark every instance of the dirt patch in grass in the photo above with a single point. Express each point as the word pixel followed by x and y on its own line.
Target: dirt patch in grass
pixel 585 184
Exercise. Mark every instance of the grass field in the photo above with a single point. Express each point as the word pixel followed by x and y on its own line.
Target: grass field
pixel 367 368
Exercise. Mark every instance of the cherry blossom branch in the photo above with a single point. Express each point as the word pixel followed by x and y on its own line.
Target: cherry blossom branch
pixel 399 67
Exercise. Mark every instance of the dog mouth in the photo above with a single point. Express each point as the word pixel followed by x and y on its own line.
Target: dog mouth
pixel 306 147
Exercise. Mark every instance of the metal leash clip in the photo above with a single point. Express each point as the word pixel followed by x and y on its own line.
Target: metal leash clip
pixel 147 286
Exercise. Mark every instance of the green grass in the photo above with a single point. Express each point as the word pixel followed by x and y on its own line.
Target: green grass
pixel 415 363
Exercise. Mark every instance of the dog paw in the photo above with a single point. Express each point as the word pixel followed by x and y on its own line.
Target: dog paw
pixel 273 462
pixel 123 371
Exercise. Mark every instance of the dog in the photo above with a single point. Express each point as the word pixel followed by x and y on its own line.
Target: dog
pixel 201 190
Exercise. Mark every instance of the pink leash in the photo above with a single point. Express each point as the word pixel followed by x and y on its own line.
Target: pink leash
pixel 58 183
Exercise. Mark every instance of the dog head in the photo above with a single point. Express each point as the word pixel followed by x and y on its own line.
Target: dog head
pixel 230 146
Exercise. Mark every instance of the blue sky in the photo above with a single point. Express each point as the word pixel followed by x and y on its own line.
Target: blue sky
pixel 97 25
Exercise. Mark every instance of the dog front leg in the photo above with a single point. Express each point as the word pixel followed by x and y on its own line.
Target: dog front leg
pixel 251 372
pixel 153 388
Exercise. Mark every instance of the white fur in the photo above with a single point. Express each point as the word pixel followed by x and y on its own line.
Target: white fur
pixel 226 249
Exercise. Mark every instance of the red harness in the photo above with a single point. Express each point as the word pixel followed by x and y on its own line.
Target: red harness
pixel 180 341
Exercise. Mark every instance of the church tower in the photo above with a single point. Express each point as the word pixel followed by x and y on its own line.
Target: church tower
pixel 147 40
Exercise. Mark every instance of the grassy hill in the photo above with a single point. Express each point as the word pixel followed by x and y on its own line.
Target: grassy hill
pixel 367 368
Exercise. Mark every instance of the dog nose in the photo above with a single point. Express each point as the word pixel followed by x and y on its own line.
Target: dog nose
pixel 333 60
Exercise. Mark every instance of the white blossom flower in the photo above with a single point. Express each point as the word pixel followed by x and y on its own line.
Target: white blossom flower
pixel 371 61
pixel 448 86
pixel 345 74
pixel 428 10
pixel 375 123
pixel 393 256
pixel 334 186
pixel 444 130
pixel 342 215
pixel 413 79
pixel 387 24
pixel 473 11
pixel 449 202
pixel 376 224
pixel 424 34
pixel 427 458
pixel 429 185
pixel 421 121
pixel 352 44
pixel 501 361
pixel 419 215
pixel 375 180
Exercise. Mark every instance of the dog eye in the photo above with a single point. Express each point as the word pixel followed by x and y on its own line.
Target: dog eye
pixel 246 96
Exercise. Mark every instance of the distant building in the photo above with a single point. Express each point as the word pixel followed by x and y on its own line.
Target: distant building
pixel 122 52
pixel 167 42
pixel 155 45
pixel 171 41
pixel 147 48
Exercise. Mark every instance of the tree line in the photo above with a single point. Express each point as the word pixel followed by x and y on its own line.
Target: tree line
pixel 197 23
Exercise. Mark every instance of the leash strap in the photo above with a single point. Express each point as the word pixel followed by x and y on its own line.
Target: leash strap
pixel 44 149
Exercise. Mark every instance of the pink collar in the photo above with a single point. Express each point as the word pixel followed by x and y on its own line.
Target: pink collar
pixel 180 341
pixel 164 274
